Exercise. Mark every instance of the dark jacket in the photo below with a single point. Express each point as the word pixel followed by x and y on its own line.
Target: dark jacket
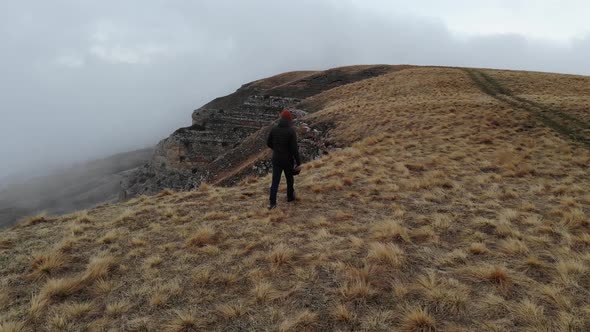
pixel 283 142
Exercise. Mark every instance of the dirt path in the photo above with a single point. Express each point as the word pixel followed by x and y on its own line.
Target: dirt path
pixel 240 168
pixel 563 123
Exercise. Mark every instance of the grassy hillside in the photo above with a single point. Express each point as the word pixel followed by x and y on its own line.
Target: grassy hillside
pixel 450 210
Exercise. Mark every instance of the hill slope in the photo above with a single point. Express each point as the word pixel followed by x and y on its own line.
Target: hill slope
pixel 227 135
pixel 77 187
pixel 450 209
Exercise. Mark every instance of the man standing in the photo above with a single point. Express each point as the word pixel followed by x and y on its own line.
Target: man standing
pixel 285 156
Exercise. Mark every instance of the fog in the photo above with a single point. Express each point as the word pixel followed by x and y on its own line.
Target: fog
pixel 84 79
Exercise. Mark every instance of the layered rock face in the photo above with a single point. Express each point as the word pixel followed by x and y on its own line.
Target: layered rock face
pixel 227 138
pixel 183 160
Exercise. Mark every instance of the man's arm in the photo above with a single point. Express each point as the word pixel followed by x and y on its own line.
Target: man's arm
pixel 295 148
pixel 269 139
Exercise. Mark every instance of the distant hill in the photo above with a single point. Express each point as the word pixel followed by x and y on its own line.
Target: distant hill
pixel 78 187
pixel 452 199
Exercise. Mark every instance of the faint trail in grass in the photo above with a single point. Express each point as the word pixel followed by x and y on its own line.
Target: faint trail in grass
pixel 565 124
pixel 575 121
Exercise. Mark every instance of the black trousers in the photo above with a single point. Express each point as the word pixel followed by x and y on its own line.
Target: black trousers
pixel 277 170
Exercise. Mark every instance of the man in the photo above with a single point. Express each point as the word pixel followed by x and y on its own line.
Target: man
pixel 285 156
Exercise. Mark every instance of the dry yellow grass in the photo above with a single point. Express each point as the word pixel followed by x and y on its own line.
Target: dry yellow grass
pixel 445 210
pixel 418 320
pixel 568 93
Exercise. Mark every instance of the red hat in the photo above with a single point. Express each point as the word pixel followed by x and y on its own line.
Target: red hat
pixel 286 114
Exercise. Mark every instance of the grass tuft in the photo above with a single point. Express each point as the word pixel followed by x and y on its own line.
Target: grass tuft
pixel 281 254
pixel 11 326
pixel 46 264
pixel 203 236
pixel 418 320
pixel 389 254
pixel 34 220
pixel 342 313
pixel 304 320
pixel 494 274
pixel 184 321
pixel 264 291
pixel 389 230
pixel 230 311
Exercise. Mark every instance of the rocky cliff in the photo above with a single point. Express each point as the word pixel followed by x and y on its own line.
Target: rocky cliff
pixel 226 140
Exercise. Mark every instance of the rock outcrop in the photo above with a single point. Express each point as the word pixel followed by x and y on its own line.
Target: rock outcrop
pixel 226 140
pixel 184 160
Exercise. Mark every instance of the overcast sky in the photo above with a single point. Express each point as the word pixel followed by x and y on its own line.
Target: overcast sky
pixel 82 79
